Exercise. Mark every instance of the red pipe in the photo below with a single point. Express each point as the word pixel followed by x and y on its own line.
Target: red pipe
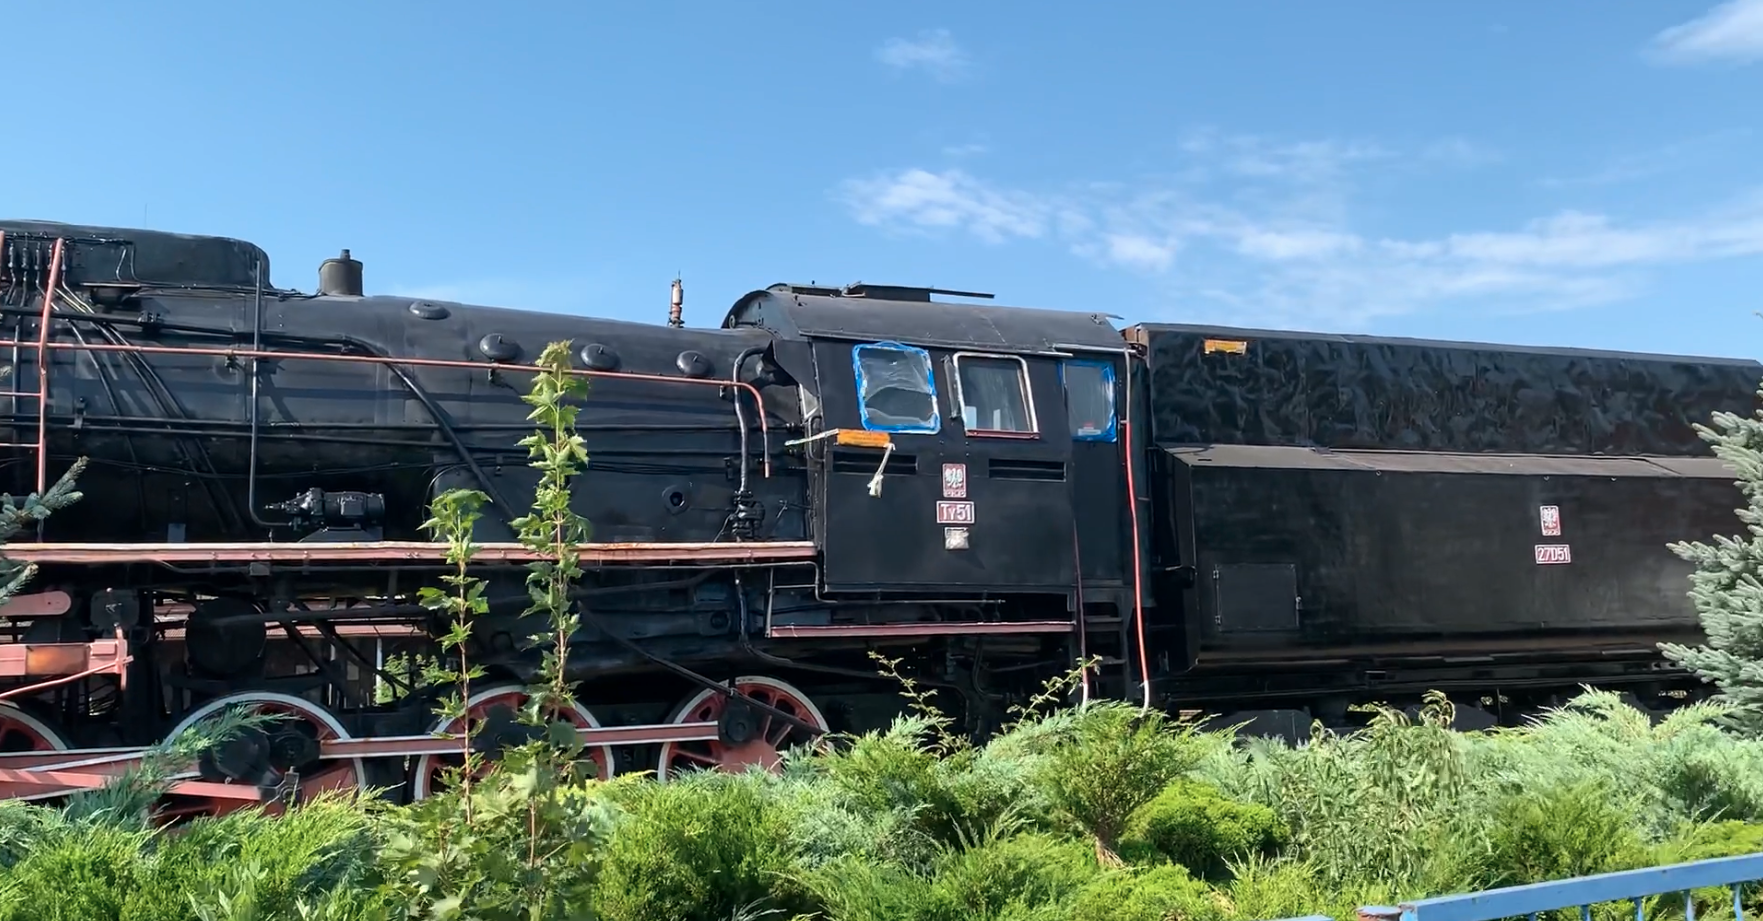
pixel 1132 507
pixel 764 428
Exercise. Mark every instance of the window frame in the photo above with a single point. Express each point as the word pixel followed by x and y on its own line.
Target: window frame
pixel 930 375
pixel 1111 434
pixel 1022 378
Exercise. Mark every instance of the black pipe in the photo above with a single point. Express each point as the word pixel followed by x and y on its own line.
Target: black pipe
pixel 256 382
pixel 734 376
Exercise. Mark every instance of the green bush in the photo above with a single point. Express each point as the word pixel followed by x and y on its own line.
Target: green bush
pixel 705 845
pixel 1165 893
pixel 1558 832
pixel 1102 762
pixel 1010 878
pixel 896 828
pixel 1193 825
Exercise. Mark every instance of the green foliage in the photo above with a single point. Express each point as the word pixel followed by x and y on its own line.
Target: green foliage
pixel 1727 584
pixel 1157 894
pixel 1558 832
pixel 1193 825
pixel 522 840
pixel 519 844
pixel 18 514
pixel 1105 760
pixel 704 845
pixel 454 516
pixel 553 529
pixel 895 826
pixel 94 867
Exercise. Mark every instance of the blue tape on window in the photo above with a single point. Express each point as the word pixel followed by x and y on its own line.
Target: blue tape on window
pixel 924 382
pixel 1105 433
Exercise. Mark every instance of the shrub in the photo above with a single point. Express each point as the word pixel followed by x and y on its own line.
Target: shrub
pixel 700 846
pixel 1556 833
pixel 1165 893
pixel 1192 824
pixel 1105 760
pixel 1007 878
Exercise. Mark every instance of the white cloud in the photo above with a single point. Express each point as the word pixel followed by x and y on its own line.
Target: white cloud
pixel 1265 232
pixel 1732 31
pixel 1461 152
pixel 922 200
pixel 1688 154
pixel 933 52
pixel 965 150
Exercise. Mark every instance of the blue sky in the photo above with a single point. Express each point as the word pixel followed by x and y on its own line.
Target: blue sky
pixel 1577 172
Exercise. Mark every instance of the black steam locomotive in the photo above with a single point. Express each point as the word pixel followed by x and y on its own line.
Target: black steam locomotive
pixel 1243 522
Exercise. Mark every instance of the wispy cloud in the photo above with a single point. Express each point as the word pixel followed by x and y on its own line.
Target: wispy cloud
pixel 1461 152
pixel 1266 232
pixel 965 150
pixel 1730 32
pixel 949 200
pixel 1646 164
pixel 934 52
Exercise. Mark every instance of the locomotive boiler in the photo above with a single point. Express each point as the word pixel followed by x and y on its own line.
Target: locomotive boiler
pixel 1234 521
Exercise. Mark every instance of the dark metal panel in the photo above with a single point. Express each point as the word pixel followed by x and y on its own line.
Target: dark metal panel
pixel 1409 556
pixel 146 257
pixel 1255 597
pixel 924 323
pixel 1218 385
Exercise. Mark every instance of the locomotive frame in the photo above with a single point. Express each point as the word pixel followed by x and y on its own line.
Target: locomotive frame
pixel 992 492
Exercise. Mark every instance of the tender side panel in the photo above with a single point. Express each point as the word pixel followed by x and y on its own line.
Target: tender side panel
pixel 1230 386
pixel 1303 550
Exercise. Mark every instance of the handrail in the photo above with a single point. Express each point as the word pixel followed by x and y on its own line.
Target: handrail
pixel 1582 892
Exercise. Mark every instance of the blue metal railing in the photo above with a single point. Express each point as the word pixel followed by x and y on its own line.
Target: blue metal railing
pixel 1582 893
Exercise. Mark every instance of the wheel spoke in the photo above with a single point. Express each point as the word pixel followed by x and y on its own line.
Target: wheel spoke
pixel 770 734
pixel 429 770
pixel 337 775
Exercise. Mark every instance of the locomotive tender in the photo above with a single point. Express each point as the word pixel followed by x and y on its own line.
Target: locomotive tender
pixel 1245 522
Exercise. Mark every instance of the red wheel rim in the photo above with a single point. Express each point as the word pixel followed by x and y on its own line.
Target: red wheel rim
pixel 430 769
pixel 336 774
pixel 21 732
pixel 771 737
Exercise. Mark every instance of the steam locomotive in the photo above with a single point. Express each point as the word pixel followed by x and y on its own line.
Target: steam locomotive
pixel 1268 526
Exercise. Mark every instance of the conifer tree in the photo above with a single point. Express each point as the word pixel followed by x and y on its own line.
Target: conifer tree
pixel 1727 584
pixel 18 514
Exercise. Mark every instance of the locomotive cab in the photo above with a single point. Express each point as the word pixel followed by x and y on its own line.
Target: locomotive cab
pixel 958 449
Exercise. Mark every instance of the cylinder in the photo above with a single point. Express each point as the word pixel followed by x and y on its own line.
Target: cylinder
pixel 340 277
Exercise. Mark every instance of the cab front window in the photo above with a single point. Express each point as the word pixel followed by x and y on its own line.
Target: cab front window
pixel 994 395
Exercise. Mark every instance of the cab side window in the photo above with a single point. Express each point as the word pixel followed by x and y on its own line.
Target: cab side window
pixel 994 395
pixel 895 391
pixel 1089 399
